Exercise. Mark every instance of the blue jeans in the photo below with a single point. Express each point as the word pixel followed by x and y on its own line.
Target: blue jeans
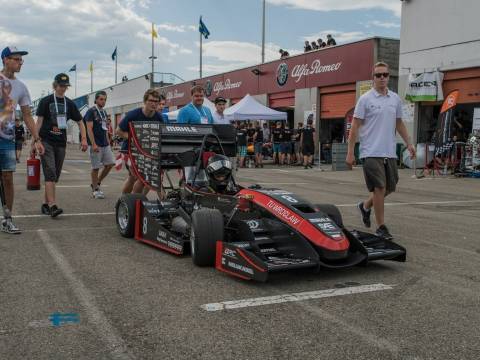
pixel 8 160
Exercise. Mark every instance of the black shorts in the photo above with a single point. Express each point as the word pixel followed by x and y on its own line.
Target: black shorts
pixel 380 173
pixel 52 161
pixel 308 149
pixel 18 145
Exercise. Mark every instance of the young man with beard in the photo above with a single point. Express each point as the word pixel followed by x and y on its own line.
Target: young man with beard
pixel 99 149
pixel 13 92
pixel 53 112
pixel 377 119
pixel 195 112
pixel 148 112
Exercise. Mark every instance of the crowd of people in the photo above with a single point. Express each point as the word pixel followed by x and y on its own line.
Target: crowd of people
pixel 319 44
pixel 376 129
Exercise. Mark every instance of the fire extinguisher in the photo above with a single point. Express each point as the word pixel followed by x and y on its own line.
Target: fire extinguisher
pixel 33 173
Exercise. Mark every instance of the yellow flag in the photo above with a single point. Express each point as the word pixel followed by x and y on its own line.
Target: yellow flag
pixel 91 66
pixel 154 32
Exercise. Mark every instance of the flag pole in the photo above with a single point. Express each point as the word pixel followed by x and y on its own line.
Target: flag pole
pixel 263 33
pixel 200 53
pixel 75 80
pixel 116 57
pixel 91 76
pixel 153 52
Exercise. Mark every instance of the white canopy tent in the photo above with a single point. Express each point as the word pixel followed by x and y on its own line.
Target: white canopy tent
pixel 250 109
pixel 172 115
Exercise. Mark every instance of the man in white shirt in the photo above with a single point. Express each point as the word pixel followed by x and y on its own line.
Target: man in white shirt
pixel 13 93
pixel 377 118
pixel 218 116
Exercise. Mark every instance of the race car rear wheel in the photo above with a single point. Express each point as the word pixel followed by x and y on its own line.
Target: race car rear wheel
pixel 206 230
pixel 332 212
pixel 125 213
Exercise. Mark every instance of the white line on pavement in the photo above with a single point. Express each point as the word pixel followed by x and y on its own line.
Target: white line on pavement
pixel 309 295
pixel 78 214
pixel 105 330
pixel 65 172
pixel 422 203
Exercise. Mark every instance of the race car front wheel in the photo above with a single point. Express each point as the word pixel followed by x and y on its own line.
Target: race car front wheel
pixel 332 212
pixel 125 213
pixel 206 230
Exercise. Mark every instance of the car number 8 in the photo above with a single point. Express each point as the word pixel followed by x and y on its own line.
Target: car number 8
pixel 144 225
pixel 290 199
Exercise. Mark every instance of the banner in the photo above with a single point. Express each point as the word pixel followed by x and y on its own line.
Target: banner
pixel 425 87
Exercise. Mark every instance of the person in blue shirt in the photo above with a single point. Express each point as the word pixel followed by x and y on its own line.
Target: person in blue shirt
pixel 195 112
pixel 148 112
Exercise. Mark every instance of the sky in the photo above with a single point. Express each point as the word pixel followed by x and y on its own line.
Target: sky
pixel 61 33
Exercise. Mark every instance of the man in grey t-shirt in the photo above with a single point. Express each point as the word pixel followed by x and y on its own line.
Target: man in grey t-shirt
pixel 377 118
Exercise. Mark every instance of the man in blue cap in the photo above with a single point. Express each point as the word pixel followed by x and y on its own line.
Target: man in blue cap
pixel 13 93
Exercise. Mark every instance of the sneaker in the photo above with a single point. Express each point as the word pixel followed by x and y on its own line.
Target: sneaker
pixel 98 194
pixel 365 214
pixel 305 167
pixel 45 209
pixel 9 227
pixel 383 232
pixel 55 211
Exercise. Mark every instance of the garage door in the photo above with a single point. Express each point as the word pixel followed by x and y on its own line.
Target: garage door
pixel 281 100
pixel 336 101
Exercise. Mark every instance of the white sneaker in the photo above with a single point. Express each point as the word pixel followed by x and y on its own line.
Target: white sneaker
pixel 9 227
pixel 98 194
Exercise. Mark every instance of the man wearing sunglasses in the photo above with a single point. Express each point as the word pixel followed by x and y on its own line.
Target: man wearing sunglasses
pixel 13 92
pixel 377 118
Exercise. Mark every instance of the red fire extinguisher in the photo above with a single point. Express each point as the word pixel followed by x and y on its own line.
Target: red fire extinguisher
pixel 33 173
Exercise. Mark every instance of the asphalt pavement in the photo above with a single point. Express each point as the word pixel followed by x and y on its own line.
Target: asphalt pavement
pixel 127 300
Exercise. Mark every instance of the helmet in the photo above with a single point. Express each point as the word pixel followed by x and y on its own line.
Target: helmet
pixel 219 171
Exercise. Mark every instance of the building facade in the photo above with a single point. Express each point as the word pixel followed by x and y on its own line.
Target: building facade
pixel 324 82
pixel 441 35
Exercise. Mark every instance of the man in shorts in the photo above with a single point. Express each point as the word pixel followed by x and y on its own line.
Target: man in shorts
pixel 307 143
pixel 13 93
pixel 286 146
pixel 53 112
pixel 101 154
pixel 377 118
pixel 276 139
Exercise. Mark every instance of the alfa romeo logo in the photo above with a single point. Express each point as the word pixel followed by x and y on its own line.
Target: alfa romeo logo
pixel 208 88
pixel 282 74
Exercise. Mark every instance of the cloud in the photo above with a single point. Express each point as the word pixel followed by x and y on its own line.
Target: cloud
pixel 61 33
pixel 222 56
pixel 339 36
pixel 341 5
pixel 386 25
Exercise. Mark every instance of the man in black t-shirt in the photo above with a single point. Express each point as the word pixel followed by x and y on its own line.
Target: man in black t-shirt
pixel 242 144
pixel 307 144
pixel 296 143
pixel 19 138
pixel 53 112
pixel 286 146
pixel 258 139
pixel 307 46
pixel 277 138
pixel 331 41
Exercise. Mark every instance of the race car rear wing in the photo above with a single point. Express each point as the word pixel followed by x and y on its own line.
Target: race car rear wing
pixel 154 146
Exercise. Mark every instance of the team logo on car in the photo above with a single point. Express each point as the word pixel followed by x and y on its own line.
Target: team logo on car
pixel 253 224
pixel 282 74
pixel 208 88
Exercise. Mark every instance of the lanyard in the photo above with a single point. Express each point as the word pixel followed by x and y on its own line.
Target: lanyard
pixel 200 114
pixel 103 117
pixel 56 105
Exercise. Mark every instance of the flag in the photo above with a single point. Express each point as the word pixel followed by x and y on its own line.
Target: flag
pixel 90 68
pixel 154 32
pixel 114 54
pixel 73 68
pixel 203 29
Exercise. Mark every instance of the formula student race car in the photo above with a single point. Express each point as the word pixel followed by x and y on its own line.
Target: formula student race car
pixel 245 232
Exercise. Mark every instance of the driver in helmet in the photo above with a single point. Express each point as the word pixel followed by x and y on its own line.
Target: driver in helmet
pixel 219 172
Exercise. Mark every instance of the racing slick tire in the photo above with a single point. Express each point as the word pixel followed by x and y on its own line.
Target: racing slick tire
pixel 332 212
pixel 205 231
pixel 125 212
